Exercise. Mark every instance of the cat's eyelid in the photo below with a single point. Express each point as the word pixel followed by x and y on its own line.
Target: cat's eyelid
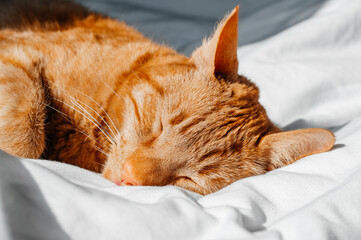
pixel 184 178
pixel 159 128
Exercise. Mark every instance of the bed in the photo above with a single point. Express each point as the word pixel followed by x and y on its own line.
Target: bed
pixel 305 56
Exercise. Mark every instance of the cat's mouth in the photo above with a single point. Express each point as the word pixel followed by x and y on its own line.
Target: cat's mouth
pixel 109 174
pixel 125 178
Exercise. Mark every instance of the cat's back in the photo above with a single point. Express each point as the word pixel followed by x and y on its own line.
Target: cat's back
pixel 62 33
pixel 59 19
pixel 73 53
pixel 40 14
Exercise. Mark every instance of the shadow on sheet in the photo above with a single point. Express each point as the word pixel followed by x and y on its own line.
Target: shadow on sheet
pixel 184 24
pixel 24 211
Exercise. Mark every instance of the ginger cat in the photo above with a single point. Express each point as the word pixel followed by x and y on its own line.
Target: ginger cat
pixel 88 90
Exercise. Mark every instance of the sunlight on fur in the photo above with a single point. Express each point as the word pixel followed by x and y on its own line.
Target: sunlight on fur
pixel 88 90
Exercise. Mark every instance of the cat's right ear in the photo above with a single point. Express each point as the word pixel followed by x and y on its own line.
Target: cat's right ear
pixel 218 55
pixel 283 148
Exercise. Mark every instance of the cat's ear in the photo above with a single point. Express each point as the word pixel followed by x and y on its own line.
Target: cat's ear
pixel 219 54
pixel 286 147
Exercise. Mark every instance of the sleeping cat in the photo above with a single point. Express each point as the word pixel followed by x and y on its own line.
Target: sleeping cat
pixel 87 90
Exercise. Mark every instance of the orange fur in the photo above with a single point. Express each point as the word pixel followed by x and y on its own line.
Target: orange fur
pixel 93 92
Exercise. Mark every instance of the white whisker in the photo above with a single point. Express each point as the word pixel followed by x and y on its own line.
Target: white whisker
pixel 76 102
pixel 100 164
pixel 85 134
pixel 112 132
pixel 109 87
pixel 99 127
pixel 86 95
pixel 135 74
pixel 118 124
pixel 111 121
pixel 98 149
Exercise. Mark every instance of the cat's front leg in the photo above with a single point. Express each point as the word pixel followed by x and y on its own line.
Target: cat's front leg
pixel 22 110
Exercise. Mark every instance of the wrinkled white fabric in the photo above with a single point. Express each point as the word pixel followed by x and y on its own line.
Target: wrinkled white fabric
pixel 309 76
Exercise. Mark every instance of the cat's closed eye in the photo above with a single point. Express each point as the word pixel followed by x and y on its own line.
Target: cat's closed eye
pixel 183 178
pixel 185 182
pixel 136 111
pixel 158 128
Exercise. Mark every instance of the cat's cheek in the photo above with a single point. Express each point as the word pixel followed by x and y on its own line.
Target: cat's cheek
pixel 111 166
pixel 107 173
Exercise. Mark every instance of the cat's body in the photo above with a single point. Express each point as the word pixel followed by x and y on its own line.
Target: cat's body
pixel 93 92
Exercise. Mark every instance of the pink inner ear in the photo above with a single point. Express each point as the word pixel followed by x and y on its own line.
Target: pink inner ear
pixel 218 55
pixel 225 61
pixel 287 147
pixel 313 140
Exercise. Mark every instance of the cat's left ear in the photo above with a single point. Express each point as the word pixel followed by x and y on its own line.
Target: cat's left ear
pixel 284 148
pixel 219 54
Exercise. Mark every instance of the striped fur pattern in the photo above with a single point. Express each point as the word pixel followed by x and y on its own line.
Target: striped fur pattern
pixel 87 90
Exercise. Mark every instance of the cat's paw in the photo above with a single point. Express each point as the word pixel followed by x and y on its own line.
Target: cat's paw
pixel 22 113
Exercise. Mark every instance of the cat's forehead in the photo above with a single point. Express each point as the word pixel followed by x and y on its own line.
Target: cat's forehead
pixel 195 87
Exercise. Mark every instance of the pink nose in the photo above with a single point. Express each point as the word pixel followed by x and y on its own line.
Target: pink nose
pixel 127 177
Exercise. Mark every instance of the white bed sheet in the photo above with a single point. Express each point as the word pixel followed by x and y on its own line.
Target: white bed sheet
pixel 309 76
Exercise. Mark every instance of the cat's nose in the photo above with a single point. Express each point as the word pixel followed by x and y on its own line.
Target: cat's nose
pixel 127 176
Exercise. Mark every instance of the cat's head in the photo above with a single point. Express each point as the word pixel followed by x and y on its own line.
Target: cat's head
pixel 203 128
